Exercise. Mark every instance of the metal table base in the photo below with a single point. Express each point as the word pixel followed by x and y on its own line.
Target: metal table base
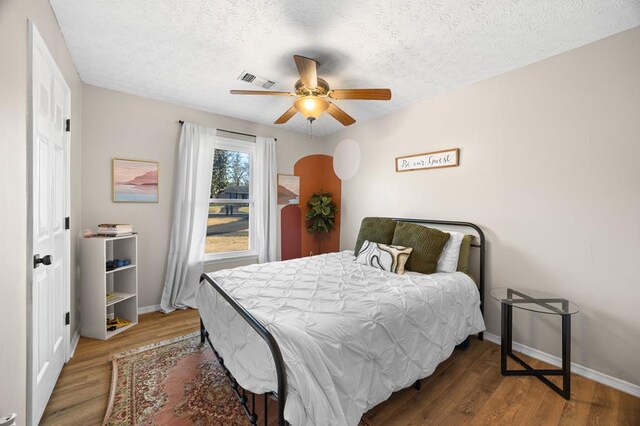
pixel 506 343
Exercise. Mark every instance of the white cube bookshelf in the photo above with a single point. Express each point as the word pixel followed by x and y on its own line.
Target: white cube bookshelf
pixel 96 282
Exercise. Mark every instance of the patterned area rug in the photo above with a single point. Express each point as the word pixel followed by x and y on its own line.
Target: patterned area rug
pixel 174 382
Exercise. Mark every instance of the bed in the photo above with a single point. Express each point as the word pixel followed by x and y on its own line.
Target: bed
pixel 330 338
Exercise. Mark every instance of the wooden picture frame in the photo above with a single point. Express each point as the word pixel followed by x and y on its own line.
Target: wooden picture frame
pixel 134 181
pixel 429 160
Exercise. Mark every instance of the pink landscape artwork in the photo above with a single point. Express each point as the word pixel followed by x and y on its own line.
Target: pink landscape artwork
pixel 135 181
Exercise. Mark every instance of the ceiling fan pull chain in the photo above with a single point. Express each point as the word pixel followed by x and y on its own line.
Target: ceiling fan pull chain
pixel 310 128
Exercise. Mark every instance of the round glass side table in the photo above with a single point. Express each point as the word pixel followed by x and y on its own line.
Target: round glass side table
pixel 543 303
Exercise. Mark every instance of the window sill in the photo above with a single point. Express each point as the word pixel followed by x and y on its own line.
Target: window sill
pixel 228 258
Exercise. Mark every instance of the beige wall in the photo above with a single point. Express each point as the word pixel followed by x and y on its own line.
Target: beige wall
pixel 549 169
pixel 14 16
pixel 127 126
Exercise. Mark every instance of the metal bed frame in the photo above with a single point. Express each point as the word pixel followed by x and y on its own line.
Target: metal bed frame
pixel 281 394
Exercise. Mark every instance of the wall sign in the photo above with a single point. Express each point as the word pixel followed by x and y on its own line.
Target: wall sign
pixel 428 160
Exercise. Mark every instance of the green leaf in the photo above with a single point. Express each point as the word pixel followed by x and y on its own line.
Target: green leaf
pixel 321 213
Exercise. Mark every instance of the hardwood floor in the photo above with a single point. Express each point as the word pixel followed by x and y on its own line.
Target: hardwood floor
pixel 465 389
pixel 82 392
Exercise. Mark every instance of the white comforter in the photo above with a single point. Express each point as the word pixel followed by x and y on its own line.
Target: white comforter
pixel 350 334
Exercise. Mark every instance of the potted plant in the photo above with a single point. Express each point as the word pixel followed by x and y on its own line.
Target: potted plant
pixel 321 215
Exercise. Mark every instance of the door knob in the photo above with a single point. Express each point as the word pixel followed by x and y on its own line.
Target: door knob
pixel 45 260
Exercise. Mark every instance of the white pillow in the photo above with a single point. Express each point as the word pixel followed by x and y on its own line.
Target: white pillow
pixel 448 261
pixel 383 256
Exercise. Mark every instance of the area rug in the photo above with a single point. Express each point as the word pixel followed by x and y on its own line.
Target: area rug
pixel 174 382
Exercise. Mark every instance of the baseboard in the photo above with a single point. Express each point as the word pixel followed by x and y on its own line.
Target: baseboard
pixel 147 309
pixel 74 342
pixel 578 369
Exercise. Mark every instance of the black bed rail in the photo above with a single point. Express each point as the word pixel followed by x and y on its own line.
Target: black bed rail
pixel 481 245
pixel 281 395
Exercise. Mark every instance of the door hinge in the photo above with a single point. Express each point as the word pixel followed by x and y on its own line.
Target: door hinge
pixel 66 222
pixel 67 125
pixel 66 319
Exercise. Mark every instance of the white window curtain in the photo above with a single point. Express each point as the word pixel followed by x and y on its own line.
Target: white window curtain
pixel 266 201
pixel 190 213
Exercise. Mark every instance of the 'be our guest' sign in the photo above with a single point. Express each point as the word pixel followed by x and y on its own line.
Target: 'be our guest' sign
pixel 429 160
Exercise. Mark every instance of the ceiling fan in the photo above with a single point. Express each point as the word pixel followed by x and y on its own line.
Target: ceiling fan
pixel 313 95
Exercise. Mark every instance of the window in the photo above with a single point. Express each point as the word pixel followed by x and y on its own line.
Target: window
pixel 230 223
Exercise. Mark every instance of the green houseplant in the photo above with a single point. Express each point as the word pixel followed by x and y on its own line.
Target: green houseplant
pixel 321 215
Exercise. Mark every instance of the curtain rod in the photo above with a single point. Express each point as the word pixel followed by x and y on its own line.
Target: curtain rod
pixel 229 131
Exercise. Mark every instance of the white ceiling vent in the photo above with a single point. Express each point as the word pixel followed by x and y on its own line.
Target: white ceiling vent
pixel 258 81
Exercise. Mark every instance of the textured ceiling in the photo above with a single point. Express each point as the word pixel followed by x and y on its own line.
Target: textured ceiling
pixel 190 52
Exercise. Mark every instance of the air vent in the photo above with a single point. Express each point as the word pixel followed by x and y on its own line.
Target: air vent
pixel 245 76
pixel 258 81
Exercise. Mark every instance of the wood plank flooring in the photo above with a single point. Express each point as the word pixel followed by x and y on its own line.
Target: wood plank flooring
pixel 465 389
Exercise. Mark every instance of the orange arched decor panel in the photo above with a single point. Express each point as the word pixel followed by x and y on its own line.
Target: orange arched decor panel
pixel 290 232
pixel 316 174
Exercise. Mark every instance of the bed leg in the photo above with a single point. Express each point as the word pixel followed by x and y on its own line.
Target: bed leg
pixel 203 332
pixel 464 345
pixel 417 385
pixel 481 336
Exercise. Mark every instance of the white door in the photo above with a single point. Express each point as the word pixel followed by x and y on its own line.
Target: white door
pixel 49 295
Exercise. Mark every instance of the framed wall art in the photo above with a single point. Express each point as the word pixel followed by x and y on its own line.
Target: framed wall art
pixel 288 189
pixel 135 181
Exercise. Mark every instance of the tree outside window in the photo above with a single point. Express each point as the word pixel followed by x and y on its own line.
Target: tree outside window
pixel 229 221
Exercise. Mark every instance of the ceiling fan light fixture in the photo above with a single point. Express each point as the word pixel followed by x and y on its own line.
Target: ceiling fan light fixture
pixel 312 94
pixel 311 106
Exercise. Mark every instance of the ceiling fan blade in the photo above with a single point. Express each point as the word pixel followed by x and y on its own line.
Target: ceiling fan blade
pixel 308 70
pixel 363 94
pixel 286 116
pixel 259 92
pixel 340 115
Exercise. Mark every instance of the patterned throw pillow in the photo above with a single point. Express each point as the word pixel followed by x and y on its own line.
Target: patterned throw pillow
pixel 383 256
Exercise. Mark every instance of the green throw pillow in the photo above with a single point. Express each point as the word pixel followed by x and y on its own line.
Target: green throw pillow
pixel 465 248
pixel 427 244
pixel 375 229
